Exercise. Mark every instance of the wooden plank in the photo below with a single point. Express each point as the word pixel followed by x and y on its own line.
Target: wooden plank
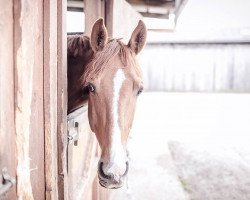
pixel 82 160
pixel 7 134
pixel 28 18
pixel 50 98
pixel 93 10
pixel 62 99
pixel 121 19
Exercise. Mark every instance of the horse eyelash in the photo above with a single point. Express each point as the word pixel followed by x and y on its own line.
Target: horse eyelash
pixel 140 91
pixel 92 87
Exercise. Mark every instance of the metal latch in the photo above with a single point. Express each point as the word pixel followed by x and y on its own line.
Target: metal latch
pixel 73 134
pixel 7 182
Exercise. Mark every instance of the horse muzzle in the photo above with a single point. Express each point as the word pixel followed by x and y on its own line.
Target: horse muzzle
pixel 111 181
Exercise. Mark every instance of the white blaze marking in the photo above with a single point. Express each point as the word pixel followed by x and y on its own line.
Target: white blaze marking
pixel 117 163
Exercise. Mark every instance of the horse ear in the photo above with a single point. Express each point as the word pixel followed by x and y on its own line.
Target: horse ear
pixel 138 37
pixel 99 35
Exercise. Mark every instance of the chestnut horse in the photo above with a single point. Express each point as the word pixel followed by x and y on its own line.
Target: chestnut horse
pixel 105 74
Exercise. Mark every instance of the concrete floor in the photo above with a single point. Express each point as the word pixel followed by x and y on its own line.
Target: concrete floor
pixel 189 146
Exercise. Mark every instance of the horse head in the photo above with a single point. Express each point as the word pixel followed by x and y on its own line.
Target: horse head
pixel 113 80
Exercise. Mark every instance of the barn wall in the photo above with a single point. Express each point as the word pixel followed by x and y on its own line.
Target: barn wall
pixel 196 67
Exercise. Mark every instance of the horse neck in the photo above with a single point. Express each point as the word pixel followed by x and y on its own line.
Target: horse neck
pixel 76 68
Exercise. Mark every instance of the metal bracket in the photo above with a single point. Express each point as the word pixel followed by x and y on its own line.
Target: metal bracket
pixel 7 182
pixel 73 134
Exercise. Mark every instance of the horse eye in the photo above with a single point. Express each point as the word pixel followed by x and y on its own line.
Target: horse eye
pixel 139 91
pixel 91 87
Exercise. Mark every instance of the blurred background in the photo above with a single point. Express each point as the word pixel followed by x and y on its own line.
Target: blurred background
pixel 191 134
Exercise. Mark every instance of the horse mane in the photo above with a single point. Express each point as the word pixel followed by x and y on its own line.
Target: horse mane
pixel 100 61
pixel 77 45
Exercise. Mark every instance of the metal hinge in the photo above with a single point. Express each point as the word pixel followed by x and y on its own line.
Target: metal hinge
pixel 7 182
pixel 73 134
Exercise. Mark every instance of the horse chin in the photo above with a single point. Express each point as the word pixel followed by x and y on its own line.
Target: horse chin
pixel 108 185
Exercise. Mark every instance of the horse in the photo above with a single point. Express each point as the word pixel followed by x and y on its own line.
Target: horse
pixel 104 74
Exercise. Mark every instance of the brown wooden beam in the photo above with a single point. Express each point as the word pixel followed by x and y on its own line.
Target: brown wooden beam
pixel 50 98
pixel 62 99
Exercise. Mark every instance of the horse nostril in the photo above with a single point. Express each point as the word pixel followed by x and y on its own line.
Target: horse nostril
pixel 127 168
pixel 101 173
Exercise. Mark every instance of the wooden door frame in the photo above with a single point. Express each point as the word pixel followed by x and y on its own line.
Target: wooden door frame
pixel 7 121
pixel 62 98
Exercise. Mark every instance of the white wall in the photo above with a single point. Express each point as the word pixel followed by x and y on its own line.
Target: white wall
pixel 196 67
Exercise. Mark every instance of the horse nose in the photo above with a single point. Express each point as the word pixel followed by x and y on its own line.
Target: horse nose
pixel 111 179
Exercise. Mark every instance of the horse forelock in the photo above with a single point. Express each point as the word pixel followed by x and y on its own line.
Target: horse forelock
pixel 101 60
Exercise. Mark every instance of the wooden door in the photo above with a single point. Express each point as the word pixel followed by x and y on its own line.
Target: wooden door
pixel 33 97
